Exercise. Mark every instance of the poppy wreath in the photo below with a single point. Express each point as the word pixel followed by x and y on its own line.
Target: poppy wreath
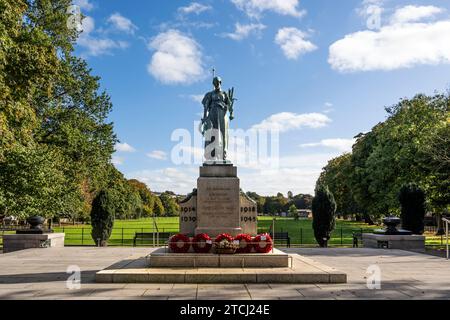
pixel 179 243
pixel 202 243
pixel 245 243
pixel 224 236
pixel 263 243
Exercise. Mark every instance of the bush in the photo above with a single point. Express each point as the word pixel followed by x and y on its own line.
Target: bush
pixel 102 218
pixel 293 212
pixel 324 210
pixel 412 200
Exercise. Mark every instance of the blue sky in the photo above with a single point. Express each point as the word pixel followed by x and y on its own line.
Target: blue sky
pixel 321 70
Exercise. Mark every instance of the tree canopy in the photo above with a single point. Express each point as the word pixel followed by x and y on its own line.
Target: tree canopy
pixel 411 146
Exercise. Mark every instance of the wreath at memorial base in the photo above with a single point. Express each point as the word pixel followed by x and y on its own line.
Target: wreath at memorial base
pixel 179 243
pixel 224 244
pixel 202 243
pixel 263 243
pixel 245 243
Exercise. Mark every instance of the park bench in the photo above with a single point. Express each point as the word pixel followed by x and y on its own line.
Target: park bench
pixel 357 236
pixel 148 236
pixel 283 237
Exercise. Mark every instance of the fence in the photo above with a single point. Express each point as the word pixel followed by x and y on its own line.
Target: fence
pixel 300 237
pixel 125 236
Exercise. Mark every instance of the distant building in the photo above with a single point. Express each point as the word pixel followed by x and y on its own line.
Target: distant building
pixel 305 213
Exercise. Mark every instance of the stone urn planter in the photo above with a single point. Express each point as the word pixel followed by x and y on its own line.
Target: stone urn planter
pixel 391 224
pixel 36 222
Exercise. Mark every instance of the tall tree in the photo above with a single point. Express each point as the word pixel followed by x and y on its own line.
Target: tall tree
pixel 50 105
pixel 412 201
pixel 102 218
pixel 323 210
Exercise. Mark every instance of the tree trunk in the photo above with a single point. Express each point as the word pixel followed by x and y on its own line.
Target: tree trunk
pixel 440 225
pixel 368 219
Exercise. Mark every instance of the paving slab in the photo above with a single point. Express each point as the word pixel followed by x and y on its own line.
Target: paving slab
pixel 42 274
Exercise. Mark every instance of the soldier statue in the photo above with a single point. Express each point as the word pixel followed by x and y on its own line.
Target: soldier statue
pixel 215 123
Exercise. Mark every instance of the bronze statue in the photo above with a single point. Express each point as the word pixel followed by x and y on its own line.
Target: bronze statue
pixel 217 104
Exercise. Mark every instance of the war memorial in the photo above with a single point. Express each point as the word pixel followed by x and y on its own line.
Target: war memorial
pixel 218 242
pixel 323 176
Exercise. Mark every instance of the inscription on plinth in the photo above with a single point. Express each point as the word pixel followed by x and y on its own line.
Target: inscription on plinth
pixel 188 215
pixel 249 215
pixel 218 208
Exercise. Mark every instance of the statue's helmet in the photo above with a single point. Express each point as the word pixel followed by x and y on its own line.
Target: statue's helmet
pixel 217 80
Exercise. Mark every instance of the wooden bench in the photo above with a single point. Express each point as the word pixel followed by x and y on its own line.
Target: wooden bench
pixel 149 237
pixel 282 236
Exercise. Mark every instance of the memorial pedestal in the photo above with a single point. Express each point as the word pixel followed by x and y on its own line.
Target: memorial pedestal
pixel 218 201
pixel 16 242
pixel 401 242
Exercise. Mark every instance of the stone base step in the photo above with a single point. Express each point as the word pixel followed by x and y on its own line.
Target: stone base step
pixel 303 271
pixel 162 258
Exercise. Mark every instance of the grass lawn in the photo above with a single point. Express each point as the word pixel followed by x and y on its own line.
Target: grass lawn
pixel 300 231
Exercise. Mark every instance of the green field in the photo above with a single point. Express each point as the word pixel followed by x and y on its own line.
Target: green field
pixel 300 231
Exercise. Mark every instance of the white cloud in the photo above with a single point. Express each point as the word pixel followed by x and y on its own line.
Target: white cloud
pixel 343 145
pixel 293 42
pixel 254 8
pixel 180 180
pixel 117 161
pixel 197 97
pixel 96 46
pixel 328 107
pixel 395 46
pixel 157 154
pixel 124 147
pixel 194 7
pixel 84 4
pixel 122 23
pixel 414 13
pixel 242 31
pixel 87 25
pixel 177 60
pixel 286 121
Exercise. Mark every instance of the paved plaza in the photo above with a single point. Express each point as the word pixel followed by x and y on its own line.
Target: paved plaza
pixel 41 274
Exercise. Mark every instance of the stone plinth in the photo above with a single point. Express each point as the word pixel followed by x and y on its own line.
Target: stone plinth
pixel 401 242
pixel 162 258
pixel 218 202
pixel 16 242
pixel 302 270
